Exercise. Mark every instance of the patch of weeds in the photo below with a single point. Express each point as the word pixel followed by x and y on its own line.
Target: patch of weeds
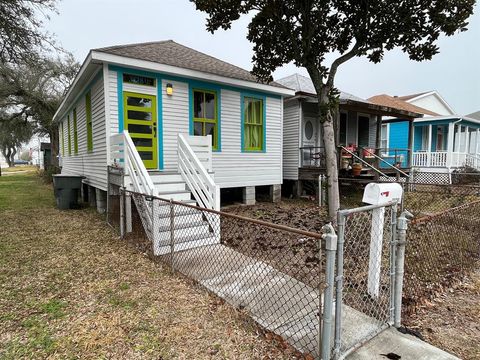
pixel 124 286
pixel 151 344
pixel 54 308
pixel 120 301
pixel 7 316
pixel 39 338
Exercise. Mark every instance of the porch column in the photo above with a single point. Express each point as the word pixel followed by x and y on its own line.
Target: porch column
pixel 450 140
pixel 378 143
pixel 467 139
pixel 477 141
pixel 458 138
pixel 411 130
pixel 429 146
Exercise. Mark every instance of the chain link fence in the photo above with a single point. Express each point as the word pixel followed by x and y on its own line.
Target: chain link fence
pixel 274 273
pixel 365 274
pixel 440 249
pixel 420 198
pixel 429 199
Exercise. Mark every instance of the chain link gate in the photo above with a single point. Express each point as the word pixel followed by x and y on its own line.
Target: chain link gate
pixel 365 278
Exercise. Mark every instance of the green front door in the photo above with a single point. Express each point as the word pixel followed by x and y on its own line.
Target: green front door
pixel 140 119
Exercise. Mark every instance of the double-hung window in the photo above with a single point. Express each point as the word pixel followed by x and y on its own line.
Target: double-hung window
pixel 205 117
pixel 253 124
pixel 384 139
pixel 88 110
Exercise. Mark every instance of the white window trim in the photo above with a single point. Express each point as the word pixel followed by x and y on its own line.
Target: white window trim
pixel 388 138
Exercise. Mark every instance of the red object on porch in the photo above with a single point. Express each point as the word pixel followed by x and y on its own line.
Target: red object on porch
pixel 368 152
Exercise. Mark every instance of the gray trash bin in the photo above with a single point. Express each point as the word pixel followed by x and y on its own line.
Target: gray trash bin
pixel 67 190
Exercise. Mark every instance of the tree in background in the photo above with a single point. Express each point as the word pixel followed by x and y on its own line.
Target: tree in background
pixel 13 133
pixel 34 93
pixel 21 35
pixel 306 31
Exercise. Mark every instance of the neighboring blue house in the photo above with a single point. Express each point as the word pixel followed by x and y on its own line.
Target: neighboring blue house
pixel 442 143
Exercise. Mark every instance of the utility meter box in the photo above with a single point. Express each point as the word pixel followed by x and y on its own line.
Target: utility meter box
pixel 378 194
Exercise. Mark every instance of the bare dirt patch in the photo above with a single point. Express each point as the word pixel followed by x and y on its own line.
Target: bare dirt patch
pixel 451 321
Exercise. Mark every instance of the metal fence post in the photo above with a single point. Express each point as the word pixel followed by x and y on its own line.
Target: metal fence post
pixel 172 235
pixel 393 257
pixel 331 247
pixel 122 212
pixel 402 226
pixel 339 285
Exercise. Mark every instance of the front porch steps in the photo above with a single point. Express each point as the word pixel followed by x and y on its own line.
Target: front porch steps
pixel 190 226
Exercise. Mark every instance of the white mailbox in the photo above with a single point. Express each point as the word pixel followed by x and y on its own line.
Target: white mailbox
pixel 378 194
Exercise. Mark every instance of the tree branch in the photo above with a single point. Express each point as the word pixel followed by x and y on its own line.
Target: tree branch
pixel 339 61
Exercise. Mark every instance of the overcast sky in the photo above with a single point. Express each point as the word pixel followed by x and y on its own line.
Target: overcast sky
pixel 86 24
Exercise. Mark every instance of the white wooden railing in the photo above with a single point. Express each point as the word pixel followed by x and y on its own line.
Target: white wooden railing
pixel 473 160
pixel 123 154
pixel 194 163
pixel 445 159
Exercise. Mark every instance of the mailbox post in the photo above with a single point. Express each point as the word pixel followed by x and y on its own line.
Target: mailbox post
pixel 378 194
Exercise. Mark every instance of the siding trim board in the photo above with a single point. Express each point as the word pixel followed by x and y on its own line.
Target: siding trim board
pixel 189 81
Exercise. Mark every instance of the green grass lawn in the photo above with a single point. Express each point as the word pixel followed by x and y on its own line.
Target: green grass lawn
pixel 71 289
pixel 24 192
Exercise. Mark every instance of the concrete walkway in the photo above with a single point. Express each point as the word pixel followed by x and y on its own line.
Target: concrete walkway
pixel 406 346
pixel 284 305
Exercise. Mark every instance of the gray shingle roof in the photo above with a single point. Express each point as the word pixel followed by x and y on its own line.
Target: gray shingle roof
pixel 171 53
pixel 475 115
pixel 304 84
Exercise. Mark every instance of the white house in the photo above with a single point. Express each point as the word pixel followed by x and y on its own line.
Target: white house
pixel 358 135
pixel 152 107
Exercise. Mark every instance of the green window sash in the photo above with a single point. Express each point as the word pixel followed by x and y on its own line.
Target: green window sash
pixel 204 120
pixel 69 138
pixel 253 119
pixel 88 111
pixel 62 139
pixel 75 133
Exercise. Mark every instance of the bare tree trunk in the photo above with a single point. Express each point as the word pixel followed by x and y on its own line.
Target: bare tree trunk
pixel 12 157
pixel 54 146
pixel 332 167
pixel 326 116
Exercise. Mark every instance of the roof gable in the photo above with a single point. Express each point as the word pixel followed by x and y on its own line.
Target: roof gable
pixel 430 100
pixel 169 52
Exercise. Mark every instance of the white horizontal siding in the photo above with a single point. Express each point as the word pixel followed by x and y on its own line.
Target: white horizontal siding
pixel 92 165
pixel 291 118
pixel 176 120
pixel 234 168
pixel 113 101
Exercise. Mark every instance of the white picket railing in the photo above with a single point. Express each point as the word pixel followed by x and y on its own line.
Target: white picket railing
pixel 124 155
pixel 445 159
pixel 194 162
pixel 473 160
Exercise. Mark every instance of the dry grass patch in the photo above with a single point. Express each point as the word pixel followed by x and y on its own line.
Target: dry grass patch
pixel 70 288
